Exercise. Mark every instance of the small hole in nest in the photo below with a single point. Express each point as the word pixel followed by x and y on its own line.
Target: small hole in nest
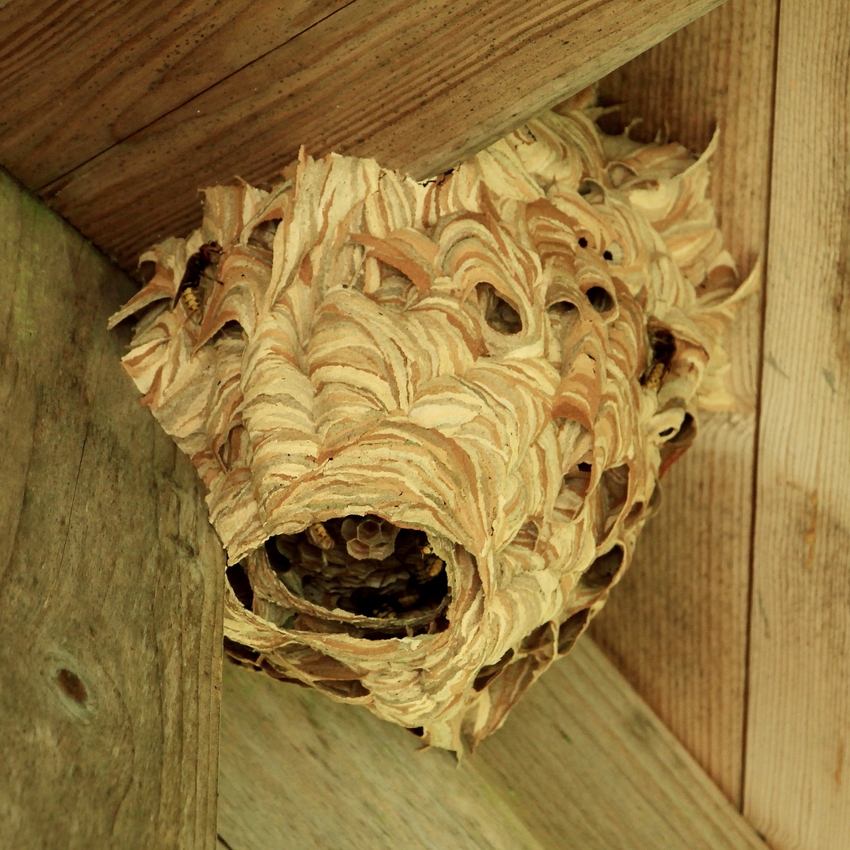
pixel 683 436
pixel 146 271
pixel 262 236
pixel 231 330
pixel 276 552
pixel 634 514
pixel 613 490
pixel 562 316
pixel 416 730
pixel 239 581
pixel 603 570
pixel 570 629
pixel 607 255
pixel 498 313
pixel 582 241
pixel 578 479
pixel 72 685
pixel 538 638
pixel 662 345
pixel 600 299
pixel 561 308
pixel 489 672
pixel 240 653
pixel 347 688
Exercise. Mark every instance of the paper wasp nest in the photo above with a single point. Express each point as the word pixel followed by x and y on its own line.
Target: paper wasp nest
pixel 432 416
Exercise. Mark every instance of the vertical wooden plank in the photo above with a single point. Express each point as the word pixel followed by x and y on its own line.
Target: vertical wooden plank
pixel 110 576
pixel 797 788
pixel 677 623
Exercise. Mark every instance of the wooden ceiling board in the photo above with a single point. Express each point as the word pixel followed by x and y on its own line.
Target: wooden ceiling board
pixel 79 76
pixel 418 84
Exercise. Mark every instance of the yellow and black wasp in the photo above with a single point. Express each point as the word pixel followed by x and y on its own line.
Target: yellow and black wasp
pixel 207 255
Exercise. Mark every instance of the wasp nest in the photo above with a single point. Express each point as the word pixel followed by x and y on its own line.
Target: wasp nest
pixel 432 416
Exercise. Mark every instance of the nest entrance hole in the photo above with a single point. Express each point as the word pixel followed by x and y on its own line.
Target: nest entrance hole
pixel 364 565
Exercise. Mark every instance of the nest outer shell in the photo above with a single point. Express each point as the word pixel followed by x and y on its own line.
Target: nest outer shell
pixel 484 358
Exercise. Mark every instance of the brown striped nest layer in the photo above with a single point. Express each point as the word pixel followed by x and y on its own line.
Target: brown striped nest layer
pixel 432 416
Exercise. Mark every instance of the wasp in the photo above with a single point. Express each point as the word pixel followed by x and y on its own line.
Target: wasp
pixel 207 255
pixel 432 565
pixel 408 599
pixel 663 346
pixel 655 376
pixel 319 536
pixel 383 610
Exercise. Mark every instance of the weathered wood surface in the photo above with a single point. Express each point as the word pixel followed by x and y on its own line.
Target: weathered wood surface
pixel 797 788
pixel 77 77
pixel 298 770
pixel 581 762
pixel 110 577
pixel 677 623
pixel 418 85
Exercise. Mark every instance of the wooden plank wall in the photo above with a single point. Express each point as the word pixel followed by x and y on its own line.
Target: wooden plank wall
pixel 110 575
pixel 159 99
pixel 797 779
pixel 734 621
pixel 677 623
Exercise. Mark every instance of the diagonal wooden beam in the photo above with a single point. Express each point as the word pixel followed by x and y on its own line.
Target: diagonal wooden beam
pixel 79 76
pixel 580 762
pixel 415 84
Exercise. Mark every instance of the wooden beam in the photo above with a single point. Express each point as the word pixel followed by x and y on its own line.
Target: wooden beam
pixel 677 623
pixel 77 76
pixel 797 788
pixel 110 576
pixel 580 762
pixel 415 85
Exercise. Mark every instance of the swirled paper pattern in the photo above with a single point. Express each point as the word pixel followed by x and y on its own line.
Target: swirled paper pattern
pixel 432 416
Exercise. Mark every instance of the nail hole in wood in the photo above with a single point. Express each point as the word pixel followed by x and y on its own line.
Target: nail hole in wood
pixel 72 685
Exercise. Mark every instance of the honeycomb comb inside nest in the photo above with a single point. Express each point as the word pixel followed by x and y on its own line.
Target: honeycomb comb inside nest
pixel 432 416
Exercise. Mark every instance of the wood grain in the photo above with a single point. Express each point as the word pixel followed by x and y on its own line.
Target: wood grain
pixel 298 770
pixel 110 577
pixel 417 84
pixel 581 762
pixel 78 77
pixel 797 788
pixel 677 623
